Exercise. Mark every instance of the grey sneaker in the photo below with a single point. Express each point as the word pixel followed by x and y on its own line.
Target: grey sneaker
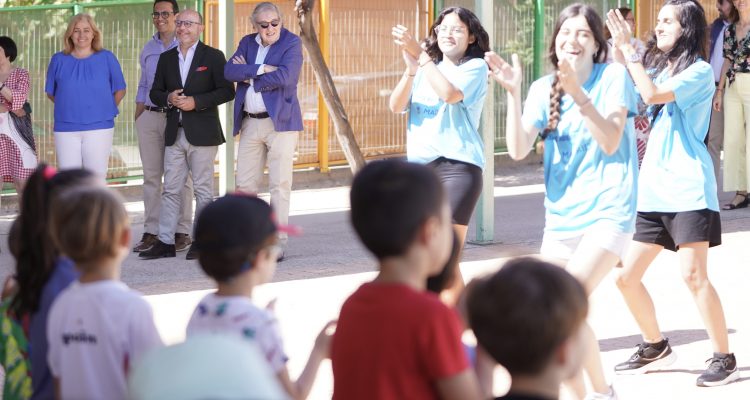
pixel 722 369
pixel 182 241
pixel 646 359
pixel 147 241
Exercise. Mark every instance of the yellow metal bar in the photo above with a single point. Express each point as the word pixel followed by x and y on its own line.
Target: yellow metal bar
pixel 325 39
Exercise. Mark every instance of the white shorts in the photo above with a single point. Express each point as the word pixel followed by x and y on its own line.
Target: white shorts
pixel 563 248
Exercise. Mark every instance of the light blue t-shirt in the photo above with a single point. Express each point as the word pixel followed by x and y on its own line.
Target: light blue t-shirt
pixel 586 188
pixel 84 90
pixel 438 129
pixel 677 172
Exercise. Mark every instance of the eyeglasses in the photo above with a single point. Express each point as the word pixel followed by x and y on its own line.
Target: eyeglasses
pixel 163 14
pixel 186 24
pixel 449 30
pixel 273 23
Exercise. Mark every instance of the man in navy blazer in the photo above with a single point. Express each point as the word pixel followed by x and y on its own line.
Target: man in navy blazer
pixel 267 115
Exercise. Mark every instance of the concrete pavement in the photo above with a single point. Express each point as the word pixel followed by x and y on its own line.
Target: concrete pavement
pixel 327 263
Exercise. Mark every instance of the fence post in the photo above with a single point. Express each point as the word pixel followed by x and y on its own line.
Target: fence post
pixel 325 49
pixel 77 8
pixel 226 115
pixel 538 38
pixel 485 214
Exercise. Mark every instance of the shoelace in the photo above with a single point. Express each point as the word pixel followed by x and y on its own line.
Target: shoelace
pixel 641 348
pixel 717 364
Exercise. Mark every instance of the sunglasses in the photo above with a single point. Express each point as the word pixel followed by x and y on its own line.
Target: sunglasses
pixel 265 25
pixel 186 24
pixel 163 14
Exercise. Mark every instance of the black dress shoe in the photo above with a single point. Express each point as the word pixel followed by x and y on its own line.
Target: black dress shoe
pixel 192 253
pixel 158 250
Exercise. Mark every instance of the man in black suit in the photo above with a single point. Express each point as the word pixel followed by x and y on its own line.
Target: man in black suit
pixel 190 81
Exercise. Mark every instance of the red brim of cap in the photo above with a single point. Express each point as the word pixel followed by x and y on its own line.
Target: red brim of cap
pixel 291 230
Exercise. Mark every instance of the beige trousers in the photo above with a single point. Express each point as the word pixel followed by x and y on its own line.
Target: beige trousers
pixel 260 143
pixel 736 106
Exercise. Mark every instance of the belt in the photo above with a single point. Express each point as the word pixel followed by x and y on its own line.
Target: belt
pixel 256 116
pixel 157 109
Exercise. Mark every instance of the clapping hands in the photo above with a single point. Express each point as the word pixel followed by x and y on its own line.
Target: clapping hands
pixel 509 76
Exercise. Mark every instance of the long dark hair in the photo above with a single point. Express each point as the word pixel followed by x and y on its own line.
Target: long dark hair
pixel 36 251
pixel 596 25
pixel 687 49
pixel 477 49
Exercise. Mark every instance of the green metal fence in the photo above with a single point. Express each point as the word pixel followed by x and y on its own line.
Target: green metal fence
pixel 38 32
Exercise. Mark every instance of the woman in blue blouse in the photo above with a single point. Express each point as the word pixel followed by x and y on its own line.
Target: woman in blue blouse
pixel 86 84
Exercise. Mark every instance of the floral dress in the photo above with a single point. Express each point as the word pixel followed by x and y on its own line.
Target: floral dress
pixel 737 52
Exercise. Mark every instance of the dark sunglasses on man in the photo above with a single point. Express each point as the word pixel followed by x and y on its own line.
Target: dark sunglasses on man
pixel 274 24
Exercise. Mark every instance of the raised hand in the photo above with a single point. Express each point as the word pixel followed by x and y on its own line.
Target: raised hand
pixel 404 38
pixel 618 28
pixel 507 75
pixel 411 62
pixel 568 77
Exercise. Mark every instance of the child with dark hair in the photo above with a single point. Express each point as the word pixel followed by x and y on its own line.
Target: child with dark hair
pixel 97 327
pixel 678 208
pixel 443 89
pixel 530 316
pixel 41 271
pixel 583 112
pixel 394 340
pixel 236 238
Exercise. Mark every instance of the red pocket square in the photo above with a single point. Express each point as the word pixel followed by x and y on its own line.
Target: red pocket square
pixel 201 69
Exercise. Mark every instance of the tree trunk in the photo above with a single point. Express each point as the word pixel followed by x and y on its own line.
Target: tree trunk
pixel 341 124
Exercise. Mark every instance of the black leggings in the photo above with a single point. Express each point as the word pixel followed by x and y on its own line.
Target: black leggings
pixel 462 183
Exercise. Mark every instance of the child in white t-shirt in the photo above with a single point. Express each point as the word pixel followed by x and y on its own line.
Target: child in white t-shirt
pixel 236 240
pixel 97 327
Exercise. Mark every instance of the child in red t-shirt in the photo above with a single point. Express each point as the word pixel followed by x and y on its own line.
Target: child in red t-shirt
pixel 394 340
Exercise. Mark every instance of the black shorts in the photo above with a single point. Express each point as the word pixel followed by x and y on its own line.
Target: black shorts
pixel 673 229
pixel 462 183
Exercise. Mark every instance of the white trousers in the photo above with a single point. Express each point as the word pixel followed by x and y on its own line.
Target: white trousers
pixel 84 149
pixel 736 132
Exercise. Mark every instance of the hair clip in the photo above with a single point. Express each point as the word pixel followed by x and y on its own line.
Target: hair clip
pixel 49 172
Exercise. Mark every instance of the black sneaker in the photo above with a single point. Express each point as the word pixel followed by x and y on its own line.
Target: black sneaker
pixel 192 253
pixel 158 250
pixel 646 359
pixel 721 370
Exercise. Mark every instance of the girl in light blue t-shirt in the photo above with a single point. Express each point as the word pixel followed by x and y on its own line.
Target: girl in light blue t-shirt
pixel 677 204
pixel 583 113
pixel 443 89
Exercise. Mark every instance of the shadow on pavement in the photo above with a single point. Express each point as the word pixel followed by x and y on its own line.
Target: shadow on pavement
pixel 676 338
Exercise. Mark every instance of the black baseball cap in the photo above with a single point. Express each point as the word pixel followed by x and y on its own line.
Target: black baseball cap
pixel 236 220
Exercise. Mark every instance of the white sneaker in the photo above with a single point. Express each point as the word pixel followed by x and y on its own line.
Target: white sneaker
pixel 612 395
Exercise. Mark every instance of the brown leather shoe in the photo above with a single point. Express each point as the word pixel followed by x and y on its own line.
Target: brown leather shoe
pixel 182 241
pixel 147 241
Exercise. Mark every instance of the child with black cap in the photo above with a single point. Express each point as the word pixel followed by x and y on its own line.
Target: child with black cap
pixel 236 238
